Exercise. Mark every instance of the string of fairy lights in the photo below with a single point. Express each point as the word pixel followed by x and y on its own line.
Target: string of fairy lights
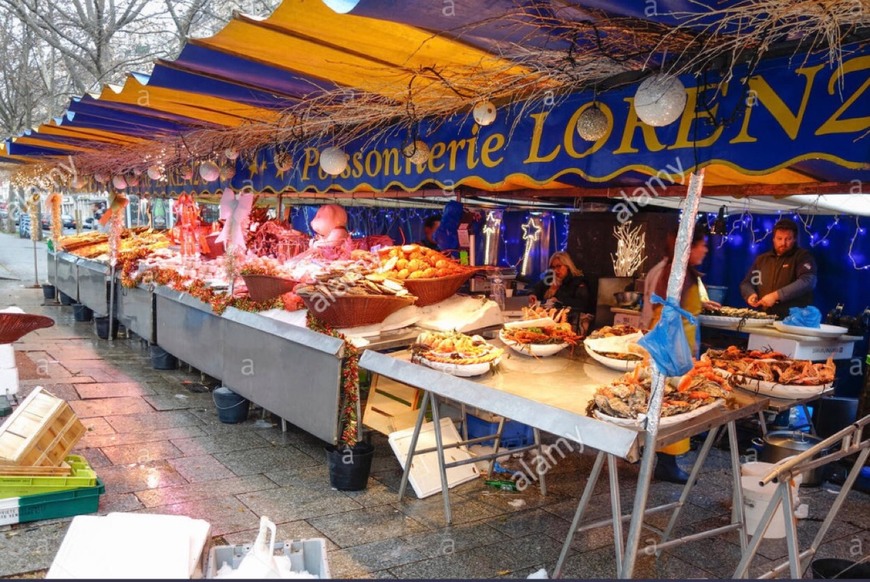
pixel 817 235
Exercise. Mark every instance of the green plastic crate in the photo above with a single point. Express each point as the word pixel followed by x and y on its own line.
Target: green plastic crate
pixel 51 505
pixel 20 485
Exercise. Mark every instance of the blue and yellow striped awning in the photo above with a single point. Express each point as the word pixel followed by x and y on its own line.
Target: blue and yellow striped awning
pixel 253 70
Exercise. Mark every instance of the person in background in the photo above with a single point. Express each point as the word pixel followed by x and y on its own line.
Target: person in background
pixel 783 277
pixel 652 279
pixel 430 225
pixel 692 301
pixel 564 285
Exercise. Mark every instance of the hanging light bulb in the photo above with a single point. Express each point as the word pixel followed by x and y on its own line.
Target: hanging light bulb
pixel 333 161
pixel 592 124
pixel 417 151
pixel 132 180
pixel 119 182
pixel 231 154
pixel 660 100
pixel 484 113
pixel 209 171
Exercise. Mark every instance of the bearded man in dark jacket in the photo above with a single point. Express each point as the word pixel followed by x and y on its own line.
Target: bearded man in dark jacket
pixel 783 277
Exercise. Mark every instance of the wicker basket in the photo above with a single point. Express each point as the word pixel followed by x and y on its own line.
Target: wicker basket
pixel 14 326
pixel 355 310
pixel 429 291
pixel 265 287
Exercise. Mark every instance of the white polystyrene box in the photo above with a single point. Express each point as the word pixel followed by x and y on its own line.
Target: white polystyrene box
pixel 7 356
pixel 9 381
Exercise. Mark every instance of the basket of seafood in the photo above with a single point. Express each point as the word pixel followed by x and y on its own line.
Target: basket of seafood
pixel 625 400
pixel 616 347
pixel 429 275
pixel 265 287
pixel 455 353
pixel 352 299
pixel 539 336
pixel 772 373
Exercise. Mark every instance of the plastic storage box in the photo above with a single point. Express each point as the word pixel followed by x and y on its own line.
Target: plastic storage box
pixel 51 505
pixel 514 434
pixel 305 555
pixel 22 485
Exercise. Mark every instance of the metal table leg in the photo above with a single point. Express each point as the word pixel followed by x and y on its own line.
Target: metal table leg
pixel 542 475
pixel 639 507
pixel 616 512
pixel 581 509
pixel 749 552
pixel 496 443
pixel 413 446
pixel 687 488
pixel 439 444
pixel 809 418
pixel 763 421
pixel 791 539
pixel 737 509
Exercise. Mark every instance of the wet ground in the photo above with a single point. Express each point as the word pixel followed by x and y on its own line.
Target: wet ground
pixel 155 440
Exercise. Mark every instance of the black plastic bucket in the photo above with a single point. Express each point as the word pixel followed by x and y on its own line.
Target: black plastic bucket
pixel 837 569
pixel 66 299
pixel 82 312
pixel 232 408
pixel 349 468
pixel 48 292
pixel 102 326
pixel 162 360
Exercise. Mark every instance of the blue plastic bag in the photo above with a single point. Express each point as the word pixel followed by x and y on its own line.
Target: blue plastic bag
pixel 666 342
pixel 804 317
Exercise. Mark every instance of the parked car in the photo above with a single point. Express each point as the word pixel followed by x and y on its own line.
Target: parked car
pixel 68 221
pixel 88 223
pixel 46 222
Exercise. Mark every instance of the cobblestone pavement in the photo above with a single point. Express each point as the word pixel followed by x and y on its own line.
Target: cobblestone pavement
pixel 155 441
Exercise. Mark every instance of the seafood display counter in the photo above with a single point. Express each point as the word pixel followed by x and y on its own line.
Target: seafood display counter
pixel 93 280
pixel 136 310
pixel 287 369
pixel 552 395
pixel 63 273
pixel 188 329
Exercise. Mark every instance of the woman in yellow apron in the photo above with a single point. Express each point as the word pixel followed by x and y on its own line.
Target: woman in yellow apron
pixel 692 301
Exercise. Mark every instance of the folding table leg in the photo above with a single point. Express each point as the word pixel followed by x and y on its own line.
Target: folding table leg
pixel 693 478
pixel 749 552
pixel 791 539
pixel 737 509
pixel 616 512
pixel 496 443
pixel 542 475
pixel 439 444
pixel 581 509
pixel 413 447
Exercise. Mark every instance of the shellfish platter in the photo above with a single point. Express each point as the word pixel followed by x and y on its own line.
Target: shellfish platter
pixel 625 400
pixel 772 373
pixel 455 353
pixel 616 347
pixel 538 337
pixel 621 362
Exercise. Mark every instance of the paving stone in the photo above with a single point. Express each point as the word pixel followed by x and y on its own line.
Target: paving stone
pixel 200 468
pixel 112 390
pixel 265 459
pixel 294 530
pixel 128 479
pixel 375 493
pixel 481 562
pixel 455 538
pixel 60 389
pixel 30 546
pixel 97 426
pixel 141 452
pixel 204 490
pixel 95 457
pixel 297 502
pixel 152 421
pixel 52 381
pixel 130 438
pixel 121 502
pixel 531 550
pixel 178 401
pixel 366 525
pixel 526 522
pixel 240 440
pixel 225 514
pixel 372 557
pixel 430 511
pixel 104 407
